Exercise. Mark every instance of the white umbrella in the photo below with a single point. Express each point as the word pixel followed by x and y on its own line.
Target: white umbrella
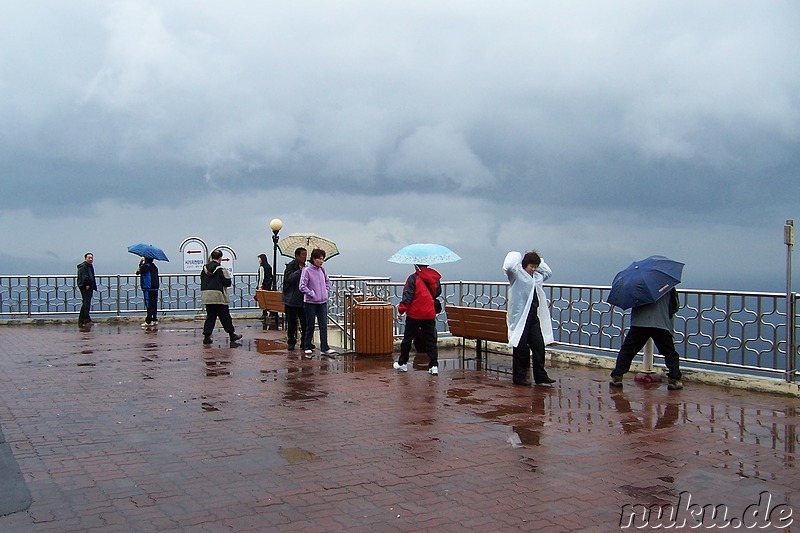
pixel 309 241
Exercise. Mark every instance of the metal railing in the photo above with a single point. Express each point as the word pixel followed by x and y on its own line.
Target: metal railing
pixel 740 331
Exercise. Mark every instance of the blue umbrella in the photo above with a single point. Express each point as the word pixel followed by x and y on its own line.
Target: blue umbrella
pixel 424 254
pixel 148 250
pixel 644 282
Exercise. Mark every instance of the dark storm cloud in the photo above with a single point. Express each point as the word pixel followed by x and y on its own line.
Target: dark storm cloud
pixel 687 111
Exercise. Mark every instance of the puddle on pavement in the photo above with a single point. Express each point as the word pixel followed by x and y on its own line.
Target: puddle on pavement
pixel 296 455
pixel 464 397
pixel 271 347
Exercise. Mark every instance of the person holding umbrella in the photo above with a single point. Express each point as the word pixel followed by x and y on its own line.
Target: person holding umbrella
pixel 148 276
pixel 292 298
pixel 315 286
pixel 648 286
pixel 526 307
pixel 420 293
pixel 651 321
pixel 420 300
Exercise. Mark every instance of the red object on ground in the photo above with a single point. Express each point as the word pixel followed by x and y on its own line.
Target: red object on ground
pixel 648 377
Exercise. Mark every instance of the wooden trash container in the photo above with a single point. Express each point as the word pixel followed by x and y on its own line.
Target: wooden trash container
pixel 373 328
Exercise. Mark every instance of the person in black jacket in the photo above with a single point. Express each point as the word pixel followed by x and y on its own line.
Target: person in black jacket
pixel 148 274
pixel 292 297
pixel 86 284
pixel 264 281
pixel 214 282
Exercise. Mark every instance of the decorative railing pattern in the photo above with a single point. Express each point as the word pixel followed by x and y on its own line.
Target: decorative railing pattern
pixel 745 331
pixel 741 331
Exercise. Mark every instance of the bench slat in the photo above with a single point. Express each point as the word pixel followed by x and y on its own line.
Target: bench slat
pixel 477 323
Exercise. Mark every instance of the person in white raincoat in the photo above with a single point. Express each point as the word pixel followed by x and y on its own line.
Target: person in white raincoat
pixel 528 317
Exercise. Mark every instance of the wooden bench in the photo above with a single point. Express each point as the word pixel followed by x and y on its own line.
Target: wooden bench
pixel 271 301
pixel 476 323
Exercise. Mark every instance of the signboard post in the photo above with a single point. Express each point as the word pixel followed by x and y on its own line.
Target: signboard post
pixel 195 254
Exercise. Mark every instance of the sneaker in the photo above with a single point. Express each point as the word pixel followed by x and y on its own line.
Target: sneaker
pixel 433 371
pixel 330 352
pixel 401 368
pixel 675 384
pixel 235 337
pixel 207 340
pixel 291 347
pixel 308 353
pixel 616 381
pixel 146 324
pixel 545 381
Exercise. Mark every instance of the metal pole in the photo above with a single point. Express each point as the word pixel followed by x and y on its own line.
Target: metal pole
pixel 788 239
pixel 275 259
pixel 648 355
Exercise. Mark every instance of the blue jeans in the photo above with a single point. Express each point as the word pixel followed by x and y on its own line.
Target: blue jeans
pixel 318 312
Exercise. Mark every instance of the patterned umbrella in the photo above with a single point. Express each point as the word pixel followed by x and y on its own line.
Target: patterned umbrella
pixel 309 241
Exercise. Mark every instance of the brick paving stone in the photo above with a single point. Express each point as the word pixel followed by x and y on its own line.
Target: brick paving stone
pixel 120 429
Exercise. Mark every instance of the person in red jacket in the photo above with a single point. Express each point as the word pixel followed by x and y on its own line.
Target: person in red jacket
pixel 421 289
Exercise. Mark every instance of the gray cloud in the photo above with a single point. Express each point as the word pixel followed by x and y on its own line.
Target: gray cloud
pixel 573 114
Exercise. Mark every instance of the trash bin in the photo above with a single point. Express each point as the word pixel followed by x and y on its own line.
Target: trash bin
pixel 373 328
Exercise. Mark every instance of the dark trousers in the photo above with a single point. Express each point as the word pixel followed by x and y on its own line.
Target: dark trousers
pixel 221 311
pixel 318 313
pixel 635 341
pixel 425 330
pixel 530 348
pixel 293 315
pixel 86 305
pixel 151 304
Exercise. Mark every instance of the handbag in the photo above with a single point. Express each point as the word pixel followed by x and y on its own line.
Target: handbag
pixel 437 305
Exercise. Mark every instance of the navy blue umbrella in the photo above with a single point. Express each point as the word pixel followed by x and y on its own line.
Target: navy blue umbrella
pixel 148 250
pixel 644 282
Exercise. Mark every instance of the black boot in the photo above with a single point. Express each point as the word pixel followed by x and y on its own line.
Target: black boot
pixel 235 337
pixel 207 339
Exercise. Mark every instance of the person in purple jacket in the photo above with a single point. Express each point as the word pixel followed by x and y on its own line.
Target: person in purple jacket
pixel 315 286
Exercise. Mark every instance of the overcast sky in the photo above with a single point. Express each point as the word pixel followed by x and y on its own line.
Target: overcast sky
pixel 598 133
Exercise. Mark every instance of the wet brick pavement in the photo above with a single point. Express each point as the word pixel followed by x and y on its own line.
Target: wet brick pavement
pixel 119 429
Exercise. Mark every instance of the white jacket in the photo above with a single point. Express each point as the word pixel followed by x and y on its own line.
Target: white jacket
pixel 520 298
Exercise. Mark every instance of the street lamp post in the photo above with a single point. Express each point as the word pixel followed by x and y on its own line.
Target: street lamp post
pixel 275 225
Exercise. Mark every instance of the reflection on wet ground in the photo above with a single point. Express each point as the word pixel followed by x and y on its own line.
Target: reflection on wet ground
pixel 353 422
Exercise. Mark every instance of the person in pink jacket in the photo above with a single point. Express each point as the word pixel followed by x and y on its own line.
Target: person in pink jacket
pixel 315 286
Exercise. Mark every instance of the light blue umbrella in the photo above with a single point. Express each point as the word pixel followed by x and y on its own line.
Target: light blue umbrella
pixel 148 250
pixel 424 254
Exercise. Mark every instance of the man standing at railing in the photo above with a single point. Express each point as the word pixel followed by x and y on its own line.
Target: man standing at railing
pixel 651 321
pixel 214 282
pixel 87 284
pixel 292 298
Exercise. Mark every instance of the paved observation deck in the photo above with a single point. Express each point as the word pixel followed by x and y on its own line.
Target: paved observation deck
pixel 115 428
